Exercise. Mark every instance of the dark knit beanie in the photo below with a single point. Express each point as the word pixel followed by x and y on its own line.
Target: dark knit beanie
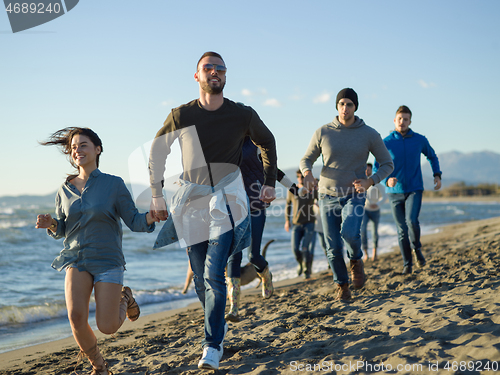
pixel 347 93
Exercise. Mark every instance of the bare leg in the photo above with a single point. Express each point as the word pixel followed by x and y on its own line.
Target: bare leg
pixel 374 254
pixel 109 315
pixel 78 288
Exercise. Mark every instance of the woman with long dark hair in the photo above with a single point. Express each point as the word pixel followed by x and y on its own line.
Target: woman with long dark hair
pixel 89 206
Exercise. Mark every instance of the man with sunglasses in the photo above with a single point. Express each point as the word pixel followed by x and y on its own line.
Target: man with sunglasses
pixel 210 209
pixel 345 144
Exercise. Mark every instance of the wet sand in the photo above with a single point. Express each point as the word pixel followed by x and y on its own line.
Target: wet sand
pixel 442 319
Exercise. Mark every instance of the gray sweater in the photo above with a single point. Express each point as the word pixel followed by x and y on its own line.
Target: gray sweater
pixel 345 152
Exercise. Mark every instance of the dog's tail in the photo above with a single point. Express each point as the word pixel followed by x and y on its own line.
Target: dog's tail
pixel 264 249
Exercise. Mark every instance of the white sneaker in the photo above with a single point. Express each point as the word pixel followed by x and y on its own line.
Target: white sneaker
pixel 211 356
pixel 210 359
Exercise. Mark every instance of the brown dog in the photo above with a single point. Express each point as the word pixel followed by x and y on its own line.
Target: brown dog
pixel 248 272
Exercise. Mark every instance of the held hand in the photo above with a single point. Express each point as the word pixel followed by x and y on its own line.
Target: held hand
pixel 158 209
pixel 362 185
pixel 309 181
pixel 267 194
pixel 303 192
pixel 150 219
pixel 391 182
pixel 43 221
pixel 437 183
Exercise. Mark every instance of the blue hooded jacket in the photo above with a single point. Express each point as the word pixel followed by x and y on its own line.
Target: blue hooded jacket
pixel 405 152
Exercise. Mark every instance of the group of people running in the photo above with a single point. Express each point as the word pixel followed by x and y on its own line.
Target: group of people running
pixel 230 169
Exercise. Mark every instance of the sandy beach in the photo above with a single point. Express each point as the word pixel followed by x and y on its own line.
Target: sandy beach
pixel 442 319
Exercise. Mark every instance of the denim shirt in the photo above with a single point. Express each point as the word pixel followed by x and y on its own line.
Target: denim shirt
pixel 90 223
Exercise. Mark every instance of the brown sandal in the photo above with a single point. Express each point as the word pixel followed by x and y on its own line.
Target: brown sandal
pixel 103 370
pixel 94 356
pixel 133 310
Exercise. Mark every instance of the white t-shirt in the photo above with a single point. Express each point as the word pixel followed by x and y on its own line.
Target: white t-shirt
pixel 374 196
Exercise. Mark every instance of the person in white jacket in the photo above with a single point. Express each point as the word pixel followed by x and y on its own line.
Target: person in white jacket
pixel 375 196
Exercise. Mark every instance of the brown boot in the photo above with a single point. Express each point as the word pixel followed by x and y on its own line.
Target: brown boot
pixel 420 258
pixel 133 310
pixel 99 365
pixel 357 274
pixel 343 292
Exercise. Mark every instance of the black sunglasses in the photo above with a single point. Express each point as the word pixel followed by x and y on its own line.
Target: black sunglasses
pixel 209 67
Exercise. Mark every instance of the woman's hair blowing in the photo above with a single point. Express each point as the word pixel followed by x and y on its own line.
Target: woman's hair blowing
pixel 63 138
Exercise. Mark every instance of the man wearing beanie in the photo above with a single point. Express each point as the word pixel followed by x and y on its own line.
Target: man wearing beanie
pixel 405 186
pixel 345 144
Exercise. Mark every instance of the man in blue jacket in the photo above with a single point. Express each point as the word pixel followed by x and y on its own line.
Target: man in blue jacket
pixel 404 186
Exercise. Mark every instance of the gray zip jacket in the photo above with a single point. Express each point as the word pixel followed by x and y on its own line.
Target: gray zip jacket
pixel 345 151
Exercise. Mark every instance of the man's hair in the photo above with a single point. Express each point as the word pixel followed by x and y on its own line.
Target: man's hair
pixel 209 53
pixel 299 172
pixel 404 109
pixel 369 165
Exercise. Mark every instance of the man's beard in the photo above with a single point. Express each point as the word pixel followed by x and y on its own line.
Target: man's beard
pixel 212 90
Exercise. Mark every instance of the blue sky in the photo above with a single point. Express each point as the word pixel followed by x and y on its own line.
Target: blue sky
pixel 118 67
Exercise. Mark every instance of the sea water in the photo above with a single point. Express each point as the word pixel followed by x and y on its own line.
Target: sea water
pixel 32 307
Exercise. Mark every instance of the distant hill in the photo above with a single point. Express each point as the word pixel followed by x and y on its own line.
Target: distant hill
pixel 472 168
pixel 141 194
pixel 28 200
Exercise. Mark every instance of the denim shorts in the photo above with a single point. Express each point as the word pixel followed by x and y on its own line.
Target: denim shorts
pixel 114 275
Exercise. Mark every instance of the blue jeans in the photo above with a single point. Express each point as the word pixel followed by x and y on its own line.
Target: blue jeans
pixel 374 217
pixel 342 218
pixel 258 220
pixel 405 210
pixel 322 241
pixel 208 262
pixel 303 240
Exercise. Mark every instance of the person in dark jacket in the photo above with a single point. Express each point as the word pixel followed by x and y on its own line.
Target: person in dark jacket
pixel 300 218
pixel 252 171
pixel 404 186
pixel 209 209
